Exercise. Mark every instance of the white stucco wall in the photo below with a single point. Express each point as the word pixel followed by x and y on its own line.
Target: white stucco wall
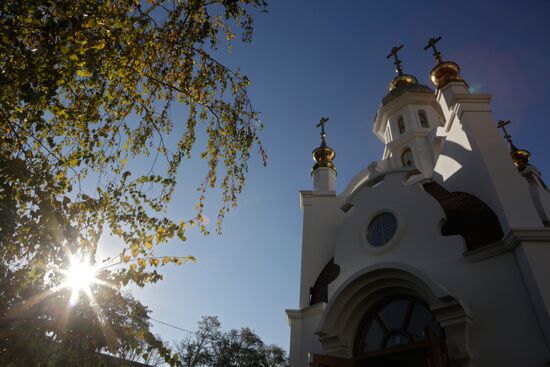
pixel 505 295
pixel 493 288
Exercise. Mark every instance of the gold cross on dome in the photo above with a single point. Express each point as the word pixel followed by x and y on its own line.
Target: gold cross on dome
pixel 321 124
pixel 397 62
pixel 437 54
pixel 501 125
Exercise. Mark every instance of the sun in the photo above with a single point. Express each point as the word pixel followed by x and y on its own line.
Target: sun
pixel 78 278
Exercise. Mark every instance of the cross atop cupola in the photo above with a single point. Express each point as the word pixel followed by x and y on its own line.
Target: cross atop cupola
pixel 401 79
pixel 502 125
pixel 443 72
pixel 397 62
pixel 437 54
pixel 321 124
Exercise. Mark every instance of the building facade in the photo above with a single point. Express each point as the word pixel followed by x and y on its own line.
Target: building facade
pixel 436 255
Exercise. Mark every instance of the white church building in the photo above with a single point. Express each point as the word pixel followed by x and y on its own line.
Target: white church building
pixel 436 255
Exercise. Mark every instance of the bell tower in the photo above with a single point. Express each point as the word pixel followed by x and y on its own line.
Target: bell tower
pixel 407 122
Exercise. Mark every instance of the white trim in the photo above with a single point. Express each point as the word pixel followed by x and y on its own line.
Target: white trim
pixel 305 198
pixel 488 251
pixel 484 98
pixel 306 312
pixel 378 177
pixel 407 137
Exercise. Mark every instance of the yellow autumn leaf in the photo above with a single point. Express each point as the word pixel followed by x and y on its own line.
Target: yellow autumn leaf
pixel 83 73
pixel 126 258
pixel 73 162
pixel 141 262
pixel 62 114
pixel 149 245
pixel 134 247
pixel 166 260
pixel 161 234
pixel 133 267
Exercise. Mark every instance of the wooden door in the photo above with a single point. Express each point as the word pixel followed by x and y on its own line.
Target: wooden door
pixel 437 350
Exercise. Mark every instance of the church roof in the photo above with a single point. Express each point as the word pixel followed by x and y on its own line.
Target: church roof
pixel 415 88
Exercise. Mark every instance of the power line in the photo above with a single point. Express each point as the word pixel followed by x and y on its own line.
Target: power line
pixel 172 326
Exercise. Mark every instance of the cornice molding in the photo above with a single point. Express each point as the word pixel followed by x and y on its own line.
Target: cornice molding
pixel 306 312
pixel 509 242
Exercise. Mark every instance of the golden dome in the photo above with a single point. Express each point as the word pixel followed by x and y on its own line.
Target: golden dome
pixel 444 73
pixel 323 156
pixel 401 80
pixel 519 156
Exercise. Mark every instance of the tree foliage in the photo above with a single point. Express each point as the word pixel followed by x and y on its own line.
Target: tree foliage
pixel 87 88
pixel 210 346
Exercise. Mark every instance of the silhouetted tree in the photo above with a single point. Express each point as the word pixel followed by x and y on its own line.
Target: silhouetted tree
pixel 209 346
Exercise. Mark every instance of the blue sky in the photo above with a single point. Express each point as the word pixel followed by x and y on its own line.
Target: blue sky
pixel 325 58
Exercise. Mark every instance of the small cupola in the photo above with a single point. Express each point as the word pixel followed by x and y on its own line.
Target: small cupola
pixel 520 157
pixel 401 79
pixel 323 155
pixel 402 83
pixel 324 171
pixel 444 72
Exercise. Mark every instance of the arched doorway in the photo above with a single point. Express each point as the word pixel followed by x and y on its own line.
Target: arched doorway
pixel 399 331
pixel 347 313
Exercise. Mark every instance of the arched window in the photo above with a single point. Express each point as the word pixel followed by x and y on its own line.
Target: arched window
pixel 401 125
pixel 407 158
pixel 395 323
pixel 423 119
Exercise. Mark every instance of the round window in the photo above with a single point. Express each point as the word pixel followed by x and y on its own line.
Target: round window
pixel 381 229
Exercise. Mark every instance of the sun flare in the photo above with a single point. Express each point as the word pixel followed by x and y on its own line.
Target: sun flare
pixel 79 277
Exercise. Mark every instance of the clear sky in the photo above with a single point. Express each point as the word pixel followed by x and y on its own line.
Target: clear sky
pixel 328 58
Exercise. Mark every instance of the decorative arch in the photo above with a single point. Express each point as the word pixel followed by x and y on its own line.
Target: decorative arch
pixel 346 309
pixel 467 215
